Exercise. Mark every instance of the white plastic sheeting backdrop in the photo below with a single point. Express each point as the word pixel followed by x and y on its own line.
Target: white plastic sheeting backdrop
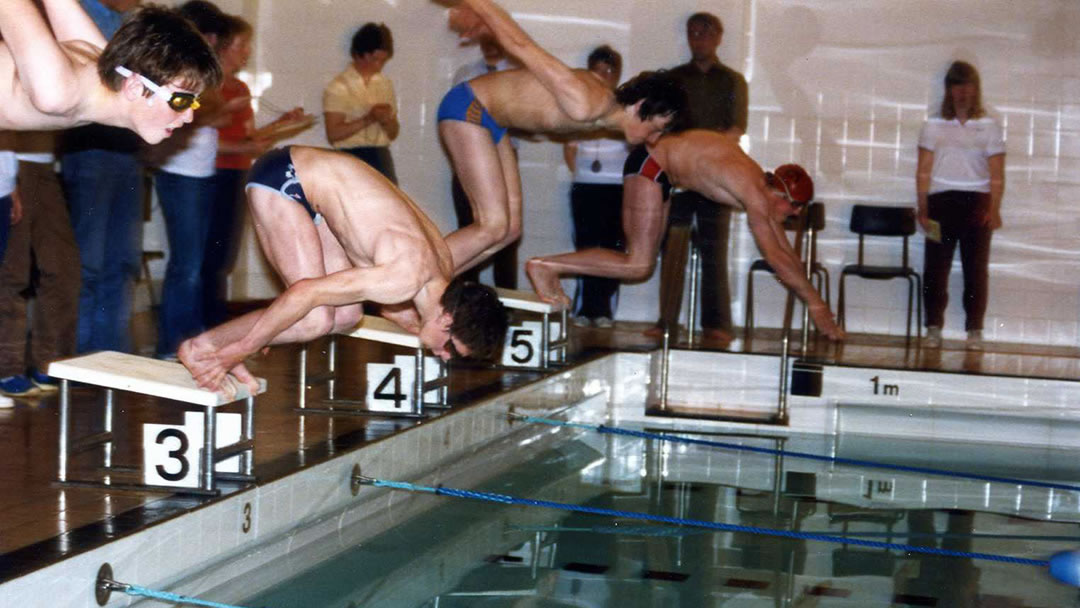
pixel 841 87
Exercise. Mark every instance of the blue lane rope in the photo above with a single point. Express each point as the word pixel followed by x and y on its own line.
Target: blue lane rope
pixel 674 532
pixel 171 597
pixel 712 525
pixel 611 430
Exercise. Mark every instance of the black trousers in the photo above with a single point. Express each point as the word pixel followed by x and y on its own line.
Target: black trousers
pixel 713 231
pixel 961 216
pixel 596 210
pixel 503 263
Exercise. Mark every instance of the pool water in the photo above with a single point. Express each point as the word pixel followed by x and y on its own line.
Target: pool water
pixel 464 553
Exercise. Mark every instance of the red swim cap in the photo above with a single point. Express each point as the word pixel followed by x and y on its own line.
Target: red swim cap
pixel 797 181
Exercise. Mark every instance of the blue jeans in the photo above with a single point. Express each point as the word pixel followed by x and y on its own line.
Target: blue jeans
pixel 104 192
pixel 185 204
pixel 5 223
pixel 222 242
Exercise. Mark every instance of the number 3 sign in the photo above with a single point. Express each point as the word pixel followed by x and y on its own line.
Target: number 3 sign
pixel 171 452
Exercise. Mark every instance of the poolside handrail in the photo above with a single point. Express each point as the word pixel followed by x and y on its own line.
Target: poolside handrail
pixel 805 247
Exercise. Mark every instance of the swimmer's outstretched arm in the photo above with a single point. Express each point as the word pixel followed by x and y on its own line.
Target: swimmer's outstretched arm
pixel 70 22
pixel 582 97
pixel 42 67
pixel 772 241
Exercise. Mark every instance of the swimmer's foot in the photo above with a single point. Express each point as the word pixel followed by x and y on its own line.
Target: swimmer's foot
pixel 545 282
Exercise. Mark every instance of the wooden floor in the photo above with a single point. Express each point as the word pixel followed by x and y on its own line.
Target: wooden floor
pixel 40 523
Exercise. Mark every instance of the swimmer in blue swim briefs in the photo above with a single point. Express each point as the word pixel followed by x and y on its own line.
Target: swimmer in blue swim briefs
pixel 545 96
pixel 373 244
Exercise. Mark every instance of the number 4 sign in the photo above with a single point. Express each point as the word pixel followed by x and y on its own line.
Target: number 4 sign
pixel 171 452
pixel 390 385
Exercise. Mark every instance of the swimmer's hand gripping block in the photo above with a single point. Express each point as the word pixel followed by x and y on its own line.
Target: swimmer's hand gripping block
pixel 143 375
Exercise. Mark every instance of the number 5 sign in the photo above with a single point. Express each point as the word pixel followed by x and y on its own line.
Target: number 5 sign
pixel 522 347
pixel 171 452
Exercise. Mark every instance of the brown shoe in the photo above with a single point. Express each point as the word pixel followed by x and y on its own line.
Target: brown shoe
pixel 656 332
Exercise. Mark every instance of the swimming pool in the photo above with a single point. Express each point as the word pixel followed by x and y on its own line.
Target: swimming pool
pixel 439 551
pixel 306 540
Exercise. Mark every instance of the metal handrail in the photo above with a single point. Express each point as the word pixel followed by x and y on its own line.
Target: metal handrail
pixel 806 247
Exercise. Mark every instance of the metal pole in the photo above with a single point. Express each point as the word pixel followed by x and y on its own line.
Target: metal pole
pixel 249 434
pixel 418 384
pixel 695 277
pixel 665 362
pixel 545 340
pixel 332 356
pixel 107 446
pixel 65 422
pixel 303 383
pixel 209 432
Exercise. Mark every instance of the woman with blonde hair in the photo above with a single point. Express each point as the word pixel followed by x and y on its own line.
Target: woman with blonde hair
pixel 960 180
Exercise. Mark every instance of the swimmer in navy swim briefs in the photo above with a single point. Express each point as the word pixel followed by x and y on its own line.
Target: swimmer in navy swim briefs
pixel 274 171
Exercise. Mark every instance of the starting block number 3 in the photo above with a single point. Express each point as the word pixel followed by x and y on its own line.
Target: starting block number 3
pixel 522 347
pixel 171 452
pixel 390 385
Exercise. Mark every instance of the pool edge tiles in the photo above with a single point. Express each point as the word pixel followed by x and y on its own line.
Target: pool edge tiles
pixel 170 550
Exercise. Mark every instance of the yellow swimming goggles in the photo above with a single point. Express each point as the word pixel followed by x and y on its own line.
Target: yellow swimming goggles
pixel 177 100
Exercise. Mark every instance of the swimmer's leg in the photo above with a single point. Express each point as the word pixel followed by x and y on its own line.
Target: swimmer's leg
pixel 489 176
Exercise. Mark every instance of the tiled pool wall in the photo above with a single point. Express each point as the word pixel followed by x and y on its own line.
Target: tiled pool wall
pixel 292 511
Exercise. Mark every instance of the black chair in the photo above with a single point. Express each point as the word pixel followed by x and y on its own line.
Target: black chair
pixel 867 220
pixel 815 223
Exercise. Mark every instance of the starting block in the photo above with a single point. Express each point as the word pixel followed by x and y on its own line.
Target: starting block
pixel 115 371
pixel 533 345
pixel 423 375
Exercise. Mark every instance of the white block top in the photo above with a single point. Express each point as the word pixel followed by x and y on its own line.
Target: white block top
pixel 382 330
pixel 523 300
pixel 143 375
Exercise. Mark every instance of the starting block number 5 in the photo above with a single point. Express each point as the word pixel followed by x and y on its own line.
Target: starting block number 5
pixel 522 347
pixel 390 385
pixel 171 452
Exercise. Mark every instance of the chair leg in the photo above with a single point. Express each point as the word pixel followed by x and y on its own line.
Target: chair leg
pixel 918 306
pixel 840 304
pixel 748 318
pixel 910 293
pixel 828 296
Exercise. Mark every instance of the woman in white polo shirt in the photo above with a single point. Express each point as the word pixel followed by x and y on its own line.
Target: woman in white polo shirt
pixel 960 180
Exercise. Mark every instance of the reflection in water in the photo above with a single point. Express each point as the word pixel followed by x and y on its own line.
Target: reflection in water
pixel 466 554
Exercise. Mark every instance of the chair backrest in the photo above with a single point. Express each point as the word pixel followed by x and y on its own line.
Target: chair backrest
pixel 815 215
pixel 883 221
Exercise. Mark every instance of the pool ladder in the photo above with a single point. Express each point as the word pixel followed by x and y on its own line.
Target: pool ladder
pixel 678 243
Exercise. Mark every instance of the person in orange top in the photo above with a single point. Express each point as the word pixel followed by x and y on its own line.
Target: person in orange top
pixel 239 143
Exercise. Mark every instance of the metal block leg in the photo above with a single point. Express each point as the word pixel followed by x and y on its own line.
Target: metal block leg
pixel 418 384
pixel 209 432
pixel 248 458
pixel 301 398
pixel 695 284
pixel 748 318
pixel 65 424
pixel 545 340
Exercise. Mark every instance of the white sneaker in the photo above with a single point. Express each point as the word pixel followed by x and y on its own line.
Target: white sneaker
pixel 580 321
pixel 603 322
pixel 933 337
pixel 975 340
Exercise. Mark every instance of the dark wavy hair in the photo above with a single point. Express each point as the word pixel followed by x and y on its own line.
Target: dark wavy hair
pixel 372 37
pixel 480 319
pixel 661 95
pixel 162 45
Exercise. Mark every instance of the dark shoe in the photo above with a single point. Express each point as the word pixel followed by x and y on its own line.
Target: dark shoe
pixel 17 386
pixel 45 382
pixel 717 337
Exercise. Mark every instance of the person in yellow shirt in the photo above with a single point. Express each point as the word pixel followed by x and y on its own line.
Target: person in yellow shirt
pixel 359 105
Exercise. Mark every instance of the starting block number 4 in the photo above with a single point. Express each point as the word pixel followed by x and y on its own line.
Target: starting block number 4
pixel 522 347
pixel 171 452
pixel 390 385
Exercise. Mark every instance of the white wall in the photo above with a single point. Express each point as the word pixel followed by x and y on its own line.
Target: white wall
pixel 841 87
